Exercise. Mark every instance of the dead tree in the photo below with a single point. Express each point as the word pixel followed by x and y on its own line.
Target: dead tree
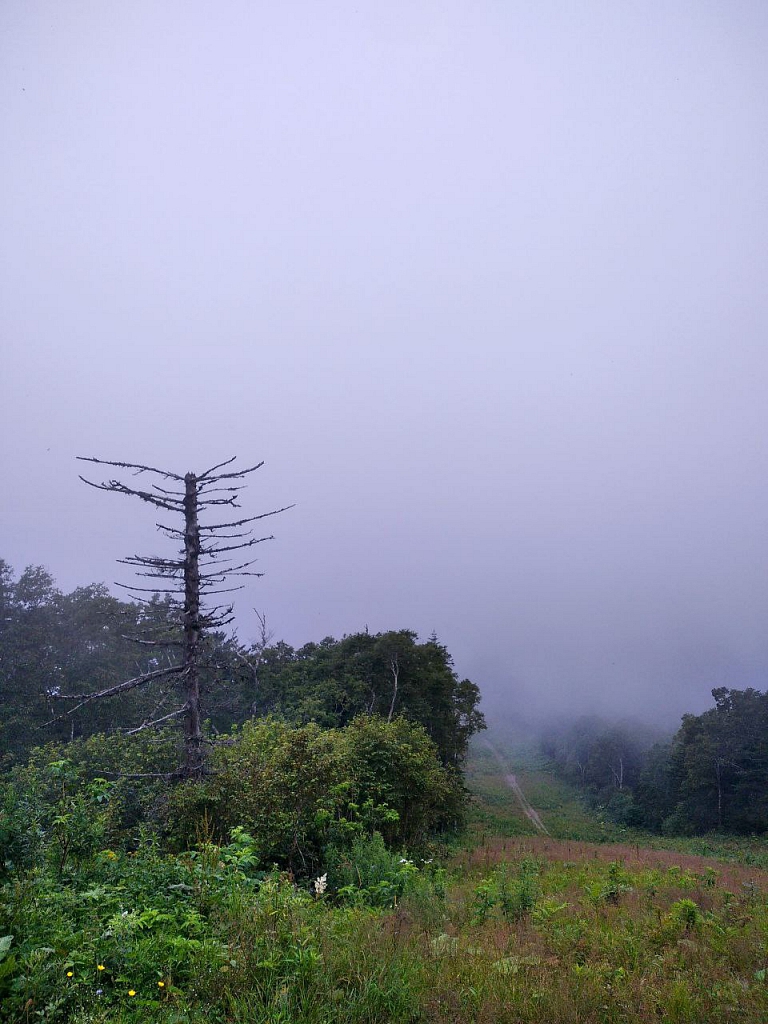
pixel 394 668
pixel 196 573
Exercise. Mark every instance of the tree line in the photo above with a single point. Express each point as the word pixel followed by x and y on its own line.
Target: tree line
pixel 712 774
pixel 81 642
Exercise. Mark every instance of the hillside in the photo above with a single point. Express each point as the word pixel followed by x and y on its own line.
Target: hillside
pixel 505 924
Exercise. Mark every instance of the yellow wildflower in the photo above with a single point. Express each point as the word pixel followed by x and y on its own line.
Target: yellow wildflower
pixel 131 992
pixel 99 967
pixel 70 974
pixel 161 984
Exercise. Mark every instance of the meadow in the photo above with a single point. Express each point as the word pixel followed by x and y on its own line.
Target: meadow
pixel 585 924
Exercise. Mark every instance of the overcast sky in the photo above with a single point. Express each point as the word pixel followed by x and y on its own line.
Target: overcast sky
pixel 484 284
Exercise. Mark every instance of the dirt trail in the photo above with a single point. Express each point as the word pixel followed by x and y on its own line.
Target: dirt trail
pixel 511 780
pixel 530 812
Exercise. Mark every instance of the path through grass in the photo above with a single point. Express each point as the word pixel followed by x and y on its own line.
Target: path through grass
pixel 564 811
pixel 497 808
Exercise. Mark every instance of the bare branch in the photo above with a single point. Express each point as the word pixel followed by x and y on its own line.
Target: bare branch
pixel 237 473
pixel 211 622
pixel 148 560
pixel 227 462
pixel 143 600
pixel 210 502
pixel 219 615
pixel 169 529
pixel 161 574
pixel 167 776
pixel 229 590
pixel 208 488
pixel 129 684
pixel 151 643
pixel 130 465
pixel 235 547
pixel 116 487
pixel 157 721
pixel 112 691
pixel 230 568
pixel 250 519
pixel 234 536
pixel 164 490
pixel 148 590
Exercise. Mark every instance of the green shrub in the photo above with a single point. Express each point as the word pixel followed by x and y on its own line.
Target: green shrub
pixel 368 873
pixel 298 790
pixel 685 914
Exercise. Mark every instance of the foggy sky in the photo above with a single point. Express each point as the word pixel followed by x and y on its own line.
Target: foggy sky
pixel 483 283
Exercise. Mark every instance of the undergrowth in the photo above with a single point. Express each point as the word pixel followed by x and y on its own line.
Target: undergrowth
pixel 506 929
pixel 521 929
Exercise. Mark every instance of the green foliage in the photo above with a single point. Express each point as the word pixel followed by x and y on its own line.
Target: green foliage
pixel 53 643
pixel 609 889
pixel 524 929
pixel 384 674
pixel 513 895
pixel 295 791
pixel 298 790
pixel 718 764
pixel 52 815
pixel 684 913
pixel 712 775
pixel 367 873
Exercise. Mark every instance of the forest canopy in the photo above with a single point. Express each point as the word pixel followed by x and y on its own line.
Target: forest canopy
pixel 52 643
pixel 711 775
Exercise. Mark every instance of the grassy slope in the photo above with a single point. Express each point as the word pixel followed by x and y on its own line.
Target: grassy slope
pixel 624 926
pixel 495 809
pixel 582 926
pixel 563 809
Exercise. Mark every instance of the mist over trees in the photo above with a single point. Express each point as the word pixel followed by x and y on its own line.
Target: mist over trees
pixel 53 643
pixel 712 774
pixel 605 760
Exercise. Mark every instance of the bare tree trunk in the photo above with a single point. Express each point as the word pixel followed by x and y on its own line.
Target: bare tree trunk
pixel 618 776
pixel 395 669
pixel 193 734
pixel 197 570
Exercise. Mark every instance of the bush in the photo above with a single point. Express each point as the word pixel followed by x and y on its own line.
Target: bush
pixel 368 873
pixel 299 790
pixel 294 790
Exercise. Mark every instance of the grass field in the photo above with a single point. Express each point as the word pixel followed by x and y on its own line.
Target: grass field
pixel 600 923
pixel 584 925
pixel 564 811
pixel 495 809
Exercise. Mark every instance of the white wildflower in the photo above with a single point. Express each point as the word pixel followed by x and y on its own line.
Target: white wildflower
pixel 320 884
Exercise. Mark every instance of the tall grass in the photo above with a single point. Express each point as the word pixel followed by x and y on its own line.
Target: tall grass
pixel 507 927
pixel 520 929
